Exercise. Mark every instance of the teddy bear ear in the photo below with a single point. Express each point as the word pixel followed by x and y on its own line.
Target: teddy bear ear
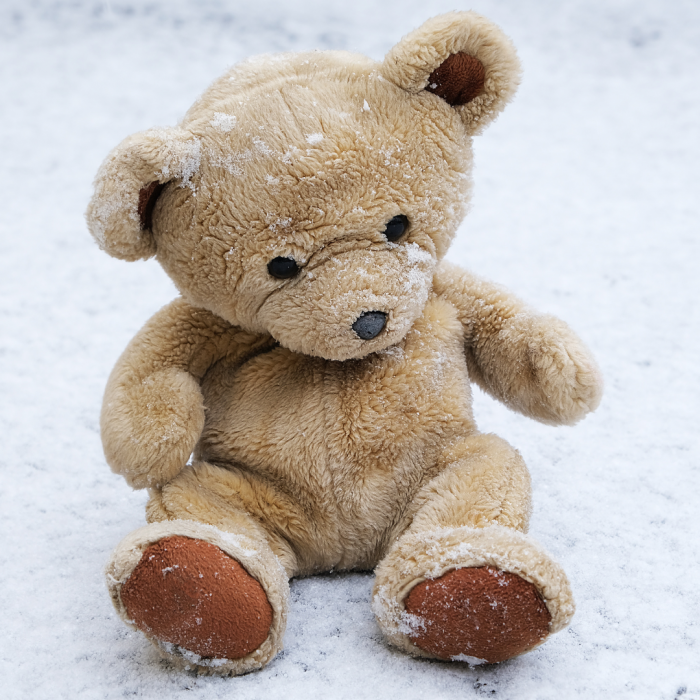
pixel 462 58
pixel 128 184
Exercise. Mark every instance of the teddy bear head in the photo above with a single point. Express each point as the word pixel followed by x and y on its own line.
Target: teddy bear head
pixel 310 196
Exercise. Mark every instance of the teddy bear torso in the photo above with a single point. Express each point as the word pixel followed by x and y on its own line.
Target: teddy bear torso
pixel 340 448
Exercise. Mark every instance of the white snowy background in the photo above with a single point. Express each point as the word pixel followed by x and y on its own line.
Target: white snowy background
pixel 587 204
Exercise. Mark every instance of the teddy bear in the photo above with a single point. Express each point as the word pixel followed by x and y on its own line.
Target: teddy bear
pixel 305 404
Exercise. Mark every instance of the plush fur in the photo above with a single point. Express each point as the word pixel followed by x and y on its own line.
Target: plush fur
pixel 315 449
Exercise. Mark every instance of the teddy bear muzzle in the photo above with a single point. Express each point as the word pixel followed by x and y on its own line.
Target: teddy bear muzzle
pixel 369 324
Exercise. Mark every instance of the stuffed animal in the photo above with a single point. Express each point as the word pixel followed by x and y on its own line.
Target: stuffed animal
pixel 305 404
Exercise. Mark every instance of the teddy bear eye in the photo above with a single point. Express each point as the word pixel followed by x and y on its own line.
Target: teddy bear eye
pixel 396 228
pixel 283 268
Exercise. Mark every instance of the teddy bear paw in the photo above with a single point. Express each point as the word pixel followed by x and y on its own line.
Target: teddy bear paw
pixel 478 615
pixel 189 593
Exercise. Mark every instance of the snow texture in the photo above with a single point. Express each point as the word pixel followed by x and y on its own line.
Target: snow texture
pixel 586 204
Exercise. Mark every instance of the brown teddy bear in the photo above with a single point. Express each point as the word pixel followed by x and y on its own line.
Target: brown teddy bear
pixel 317 366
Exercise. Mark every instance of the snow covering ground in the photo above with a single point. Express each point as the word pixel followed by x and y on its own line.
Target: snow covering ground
pixel 587 204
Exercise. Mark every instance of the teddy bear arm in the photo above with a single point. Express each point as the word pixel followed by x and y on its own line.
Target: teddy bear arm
pixel 153 410
pixel 534 363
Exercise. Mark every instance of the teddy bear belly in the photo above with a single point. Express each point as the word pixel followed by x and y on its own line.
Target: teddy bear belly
pixel 339 448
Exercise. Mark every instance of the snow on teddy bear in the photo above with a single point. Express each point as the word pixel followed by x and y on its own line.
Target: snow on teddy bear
pixel 316 368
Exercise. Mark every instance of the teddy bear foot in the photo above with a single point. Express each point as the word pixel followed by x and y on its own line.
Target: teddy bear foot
pixel 478 615
pixel 479 595
pixel 210 600
pixel 189 593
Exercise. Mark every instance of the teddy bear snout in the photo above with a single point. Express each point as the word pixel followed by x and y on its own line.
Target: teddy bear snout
pixel 369 324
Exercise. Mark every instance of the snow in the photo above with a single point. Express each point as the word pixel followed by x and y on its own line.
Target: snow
pixel 223 122
pixel 182 160
pixel 586 203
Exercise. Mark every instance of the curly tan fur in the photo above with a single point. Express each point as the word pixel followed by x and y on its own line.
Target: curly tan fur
pixel 261 422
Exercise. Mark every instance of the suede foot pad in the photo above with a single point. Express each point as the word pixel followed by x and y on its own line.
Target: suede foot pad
pixel 190 593
pixel 477 614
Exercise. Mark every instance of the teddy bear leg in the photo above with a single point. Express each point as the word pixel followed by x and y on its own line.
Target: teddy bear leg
pixel 464 582
pixel 210 595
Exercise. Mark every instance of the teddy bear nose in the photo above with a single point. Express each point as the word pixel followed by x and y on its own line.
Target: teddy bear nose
pixel 369 324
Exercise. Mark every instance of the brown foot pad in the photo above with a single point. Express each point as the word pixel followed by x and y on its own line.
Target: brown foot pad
pixel 475 614
pixel 190 593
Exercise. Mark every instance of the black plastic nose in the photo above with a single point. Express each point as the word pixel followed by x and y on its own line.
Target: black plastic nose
pixel 370 324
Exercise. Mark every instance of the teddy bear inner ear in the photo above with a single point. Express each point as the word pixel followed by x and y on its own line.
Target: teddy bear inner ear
pixel 458 80
pixel 148 196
